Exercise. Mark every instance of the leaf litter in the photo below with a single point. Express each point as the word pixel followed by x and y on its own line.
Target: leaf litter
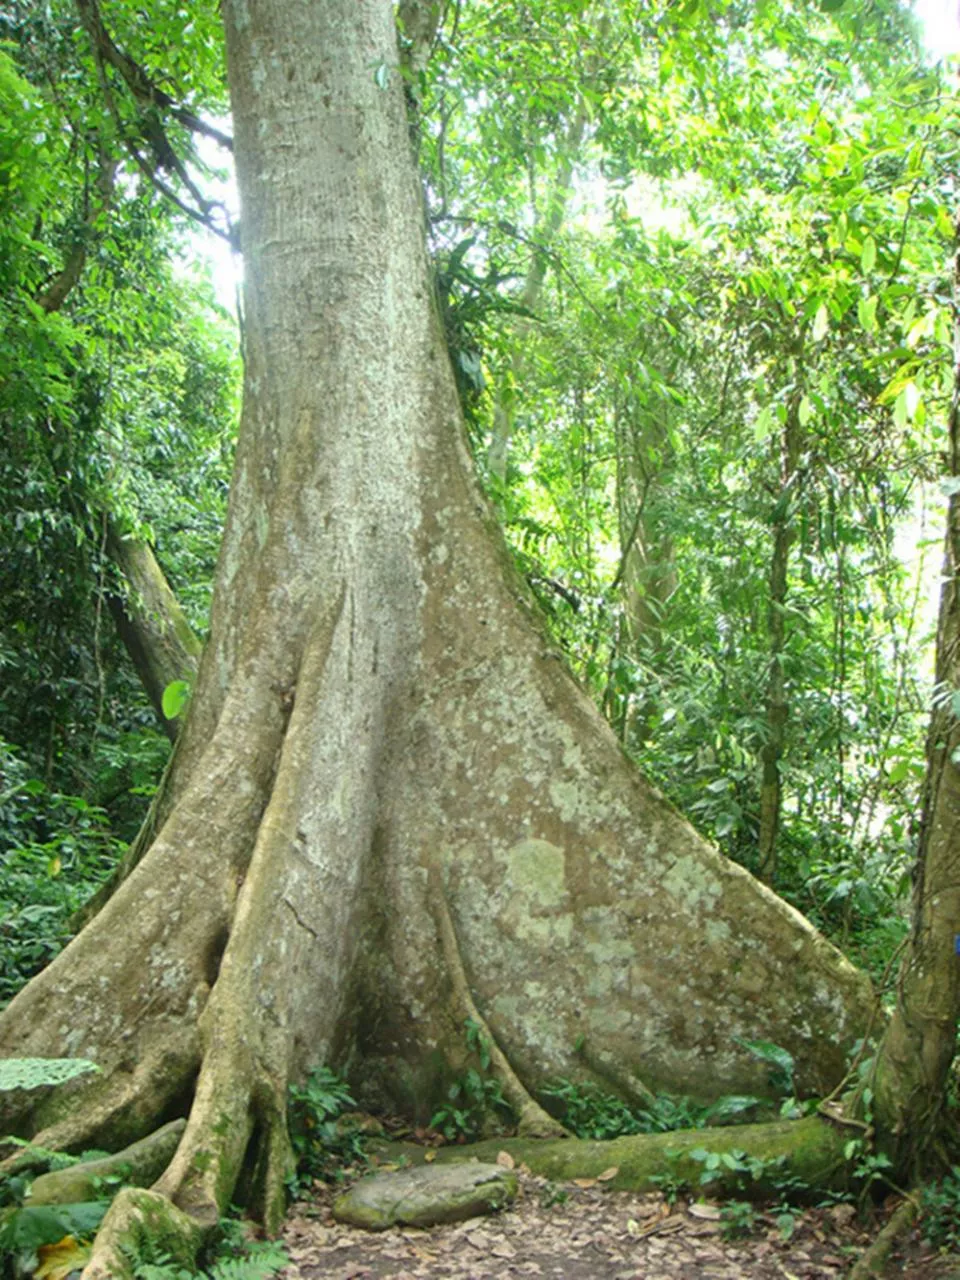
pixel 562 1231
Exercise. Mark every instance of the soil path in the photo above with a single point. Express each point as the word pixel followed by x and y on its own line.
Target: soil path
pixel 572 1232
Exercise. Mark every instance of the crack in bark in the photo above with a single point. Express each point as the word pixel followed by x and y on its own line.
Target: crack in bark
pixel 300 921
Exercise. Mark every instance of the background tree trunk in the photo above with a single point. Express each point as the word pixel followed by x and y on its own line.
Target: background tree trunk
pixel 151 624
pixel 910 1074
pixel 776 707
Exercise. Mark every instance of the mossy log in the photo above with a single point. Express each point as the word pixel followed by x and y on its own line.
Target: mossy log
pixel 810 1152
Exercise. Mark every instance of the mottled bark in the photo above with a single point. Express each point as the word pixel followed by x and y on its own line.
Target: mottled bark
pixel 151 623
pixel 910 1074
pixel 378 714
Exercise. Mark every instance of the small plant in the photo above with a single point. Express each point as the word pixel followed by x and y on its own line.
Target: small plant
pixel 321 1146
pixel 672 1186
pixel 588 1112
pixel 552 1195
pixel 734 1169
pixel 470 1101
pixel 940 1212
pixel 473 1097
pixel 738 1218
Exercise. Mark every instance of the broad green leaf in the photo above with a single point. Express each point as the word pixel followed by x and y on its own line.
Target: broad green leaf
pixel 36 1225
pixel 765 424
pixel 867 313
pixel 175 698
pixel 899 771
pixel 805 411
pixel 36 1073
pixel 868 255
pixel 821 322
pixel 901 415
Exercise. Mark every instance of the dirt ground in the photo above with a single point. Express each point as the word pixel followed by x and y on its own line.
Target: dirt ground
pixel 584 1232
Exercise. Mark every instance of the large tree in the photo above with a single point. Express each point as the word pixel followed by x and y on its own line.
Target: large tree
pixel 390 805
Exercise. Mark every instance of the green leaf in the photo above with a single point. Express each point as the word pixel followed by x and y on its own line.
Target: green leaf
pixel 901 415
pixel 898 771
pixel 175 697
pixel 821 322
pixel 868 255
pixel 765 424
pixel 805 411
pixel 867 313
pixel 36 1073
pixel 36 1225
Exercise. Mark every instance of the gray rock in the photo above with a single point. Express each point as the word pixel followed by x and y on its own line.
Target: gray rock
pixel 426 1196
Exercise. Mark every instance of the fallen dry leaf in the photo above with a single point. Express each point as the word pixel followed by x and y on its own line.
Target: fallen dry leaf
pixel 709 1211
pixel 430 1156
pixel 584 1182
pixel 58 1260
pixel 506 1160
pixel 608 1174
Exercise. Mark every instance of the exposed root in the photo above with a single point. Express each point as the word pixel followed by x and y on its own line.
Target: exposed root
pixel 629 1086
pixel 74 1132
pixel 812 1149
pixel 138 1165
pixel 142 1226
pixel 275 1161
pixel 110 1110
pixel 533 1121
pixel 203 1173
pixel 873 1261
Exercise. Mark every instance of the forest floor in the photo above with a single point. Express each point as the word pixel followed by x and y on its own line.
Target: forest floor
pixel 571 1232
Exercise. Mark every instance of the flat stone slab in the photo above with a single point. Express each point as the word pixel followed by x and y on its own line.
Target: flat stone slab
pixel 426 1196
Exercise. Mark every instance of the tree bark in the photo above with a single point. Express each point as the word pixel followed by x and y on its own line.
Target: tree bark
pixel 910 1072
pixel 776 705
pixel 151 624
pixel 378 718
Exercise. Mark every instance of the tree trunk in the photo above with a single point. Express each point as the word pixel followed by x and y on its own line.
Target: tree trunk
pixel 776 706
pixel 910 1072
pixel 151 624
pixel 380 735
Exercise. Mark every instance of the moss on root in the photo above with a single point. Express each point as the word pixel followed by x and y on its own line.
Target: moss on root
pixel 142 1226
pixel 811 1151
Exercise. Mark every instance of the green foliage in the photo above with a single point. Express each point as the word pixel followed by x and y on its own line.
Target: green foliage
pixel 55 851
pixel 34 1073
pixel 589 1112
pixel 470 1102
pixel 552 1195
pixel 940 1212
pixel 738 1218
pixel 234 1255
pixel 322 1146
pixel 780 1064
pixel 475 1098
pixel 26 1229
